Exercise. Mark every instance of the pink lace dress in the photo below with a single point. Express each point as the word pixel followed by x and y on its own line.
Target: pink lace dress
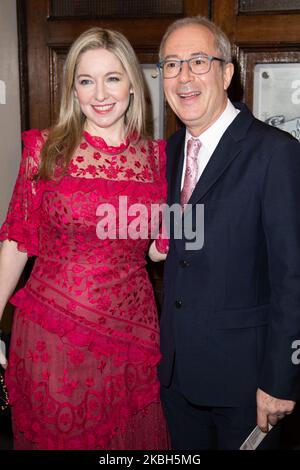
pixel 85 344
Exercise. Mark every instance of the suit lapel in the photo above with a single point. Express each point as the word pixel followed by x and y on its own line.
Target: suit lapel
pixel 226 151
pixel 177 155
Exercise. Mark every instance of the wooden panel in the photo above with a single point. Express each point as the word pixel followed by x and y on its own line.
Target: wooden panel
pixel 114 8
pixel 268 29
pixel 267 6
pixel 38 64
pixel 264 29
pixel 197 7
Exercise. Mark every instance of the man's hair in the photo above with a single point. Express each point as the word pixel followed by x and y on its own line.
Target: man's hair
pixel 222 43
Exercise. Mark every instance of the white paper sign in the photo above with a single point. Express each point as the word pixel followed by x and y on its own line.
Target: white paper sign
pixel 277 96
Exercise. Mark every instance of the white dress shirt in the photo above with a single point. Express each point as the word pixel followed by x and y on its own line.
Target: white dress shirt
pixel 210 138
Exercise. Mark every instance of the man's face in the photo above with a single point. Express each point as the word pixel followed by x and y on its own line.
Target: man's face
pixel 198 100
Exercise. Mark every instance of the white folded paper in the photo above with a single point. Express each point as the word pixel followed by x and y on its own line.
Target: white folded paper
pixel 254 438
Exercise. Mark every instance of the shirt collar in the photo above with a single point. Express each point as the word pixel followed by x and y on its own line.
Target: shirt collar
pixel 211 137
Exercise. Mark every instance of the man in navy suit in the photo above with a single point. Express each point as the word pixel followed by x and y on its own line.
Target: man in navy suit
pixel 231 314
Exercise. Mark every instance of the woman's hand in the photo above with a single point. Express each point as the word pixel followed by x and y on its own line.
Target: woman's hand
pixel 156 255
pixel 3 360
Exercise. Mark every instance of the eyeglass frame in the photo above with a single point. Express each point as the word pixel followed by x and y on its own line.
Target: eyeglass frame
pixel 160 64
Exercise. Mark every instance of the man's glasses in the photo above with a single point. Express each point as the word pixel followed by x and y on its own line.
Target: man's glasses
pixel 198 65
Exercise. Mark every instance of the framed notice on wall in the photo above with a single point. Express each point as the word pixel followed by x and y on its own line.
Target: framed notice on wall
pixel 276 95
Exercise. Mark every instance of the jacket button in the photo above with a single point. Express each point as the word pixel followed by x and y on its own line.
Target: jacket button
pixel 184 263
pixel 178 303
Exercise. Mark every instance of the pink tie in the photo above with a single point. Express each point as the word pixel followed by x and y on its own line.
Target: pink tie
pixel 191 170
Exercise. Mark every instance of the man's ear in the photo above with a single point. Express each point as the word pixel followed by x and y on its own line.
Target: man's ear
pixel 227 74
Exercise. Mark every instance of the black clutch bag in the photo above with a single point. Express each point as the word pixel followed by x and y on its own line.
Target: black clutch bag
pixel 4 401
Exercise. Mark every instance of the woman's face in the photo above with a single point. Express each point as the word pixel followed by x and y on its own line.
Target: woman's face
pixel 103 89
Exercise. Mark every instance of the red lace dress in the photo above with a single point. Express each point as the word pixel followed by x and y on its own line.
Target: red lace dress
pixel 85 344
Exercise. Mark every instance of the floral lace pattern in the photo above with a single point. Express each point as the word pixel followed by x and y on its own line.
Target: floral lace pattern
pixel 82 369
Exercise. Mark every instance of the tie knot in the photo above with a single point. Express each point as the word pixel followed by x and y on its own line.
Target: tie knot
pixel 193 147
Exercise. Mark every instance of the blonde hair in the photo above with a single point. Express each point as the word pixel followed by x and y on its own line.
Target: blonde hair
pixel 222 43
pixel 65 135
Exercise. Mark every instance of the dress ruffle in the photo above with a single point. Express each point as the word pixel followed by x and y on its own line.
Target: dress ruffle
pixel 80 332
pixel 122 396
pixel 100 144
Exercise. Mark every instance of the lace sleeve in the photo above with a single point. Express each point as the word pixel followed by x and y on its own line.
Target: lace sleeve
pixel 22 220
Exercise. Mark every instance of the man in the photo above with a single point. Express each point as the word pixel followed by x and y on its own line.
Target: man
pixel 231 313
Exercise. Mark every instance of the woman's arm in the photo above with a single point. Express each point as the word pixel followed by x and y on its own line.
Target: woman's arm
pixel 12 262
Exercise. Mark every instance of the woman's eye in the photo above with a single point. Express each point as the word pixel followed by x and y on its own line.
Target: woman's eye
pixel 85 81
pixel 113 79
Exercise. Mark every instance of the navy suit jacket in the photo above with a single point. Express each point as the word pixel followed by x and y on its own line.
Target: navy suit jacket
pixel 231 310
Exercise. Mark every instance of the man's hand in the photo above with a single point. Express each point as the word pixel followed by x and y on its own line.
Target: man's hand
pixel 271 409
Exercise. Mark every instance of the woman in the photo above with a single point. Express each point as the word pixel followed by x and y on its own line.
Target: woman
pixel 84 350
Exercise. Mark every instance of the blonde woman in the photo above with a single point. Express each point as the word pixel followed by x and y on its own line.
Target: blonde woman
pixel 82 367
